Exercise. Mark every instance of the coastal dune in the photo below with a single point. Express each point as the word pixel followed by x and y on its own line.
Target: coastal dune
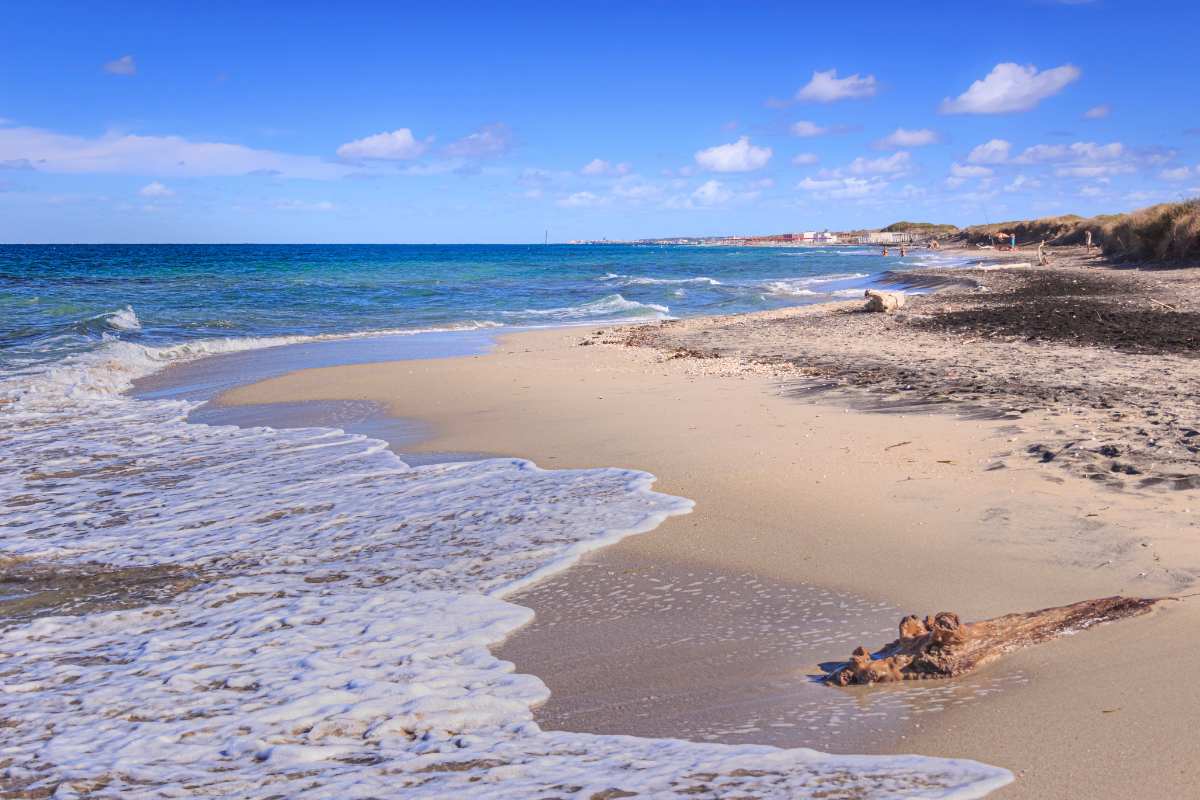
pixel 891 513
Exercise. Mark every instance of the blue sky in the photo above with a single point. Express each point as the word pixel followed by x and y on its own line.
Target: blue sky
pixel 452 122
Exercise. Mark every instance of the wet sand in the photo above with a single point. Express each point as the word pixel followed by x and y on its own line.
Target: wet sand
pixel 798 496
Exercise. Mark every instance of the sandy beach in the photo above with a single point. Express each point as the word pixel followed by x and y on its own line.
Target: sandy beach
pixel 936 459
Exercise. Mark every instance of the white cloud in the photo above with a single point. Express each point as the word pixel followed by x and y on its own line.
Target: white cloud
pixel 802 159
pixel 806 129
pixel 1011 87
pixel 1178 174
pixel 598 166
pixel 711 193
pixel 827 87
pixel 894 164
pixel 1092 191
pixel 303 205
pixel 156 156
pixel 398 145
pixel 1098 112
pixel 1078 151
pixel 992 152
pixel 1093 170
pixel 580 200
pixel 969 171
pixel 124 65
pixel 1084 159
pixel 903 137
pixel 842 188
pixel 487 142
pixel 156 189
pixel 636 190
pixel 1022 182
pixel 739 156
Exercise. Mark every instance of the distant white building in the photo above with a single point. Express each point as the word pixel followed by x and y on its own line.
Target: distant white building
pixel 887 237
pixel 818 237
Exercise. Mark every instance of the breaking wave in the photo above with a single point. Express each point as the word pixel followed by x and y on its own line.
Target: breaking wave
pixel 613 305
pixel 638 280
pixel 809 287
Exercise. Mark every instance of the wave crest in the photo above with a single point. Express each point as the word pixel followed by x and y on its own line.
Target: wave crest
pixel 613 305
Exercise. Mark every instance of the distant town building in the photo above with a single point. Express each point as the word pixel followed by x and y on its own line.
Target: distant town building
pixel 887 237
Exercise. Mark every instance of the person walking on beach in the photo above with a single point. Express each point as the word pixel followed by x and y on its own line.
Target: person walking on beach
pixel 1042 260
pixel 1088 241
pixel 1012 241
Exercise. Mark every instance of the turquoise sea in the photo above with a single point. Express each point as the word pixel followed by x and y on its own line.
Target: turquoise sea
pixel 56 300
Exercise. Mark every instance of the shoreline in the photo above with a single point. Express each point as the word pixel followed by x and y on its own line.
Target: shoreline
pixel 541 396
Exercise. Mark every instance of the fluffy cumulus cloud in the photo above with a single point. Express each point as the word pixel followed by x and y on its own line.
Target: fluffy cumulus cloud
pixel 1011 87
pixel 598 167
pixel 895 164
pixel 1078 151
pixel 711 193
pixel 156 189
pixel 1097 112
pixel 845 188
pixel 961 173
pixel 806 129
pixel 152 156
pixel 827 87
pixel 397 145
pixel 1081 159
pixel 903 137
pixel 1075 160
pixel 490 141
pixel 1022 182
pixel 580 200
pixel 1179 173
pixel 739 156
pixel 969 171
pixel 125 65
pixel 633 189
pixel 995 151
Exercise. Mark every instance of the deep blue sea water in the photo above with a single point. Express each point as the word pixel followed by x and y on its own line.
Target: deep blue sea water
pixel 56 300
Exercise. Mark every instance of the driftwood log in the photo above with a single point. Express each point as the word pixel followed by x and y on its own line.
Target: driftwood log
pixel 943 647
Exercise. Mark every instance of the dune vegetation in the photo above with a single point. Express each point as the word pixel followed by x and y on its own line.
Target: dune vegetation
pixel 1168 232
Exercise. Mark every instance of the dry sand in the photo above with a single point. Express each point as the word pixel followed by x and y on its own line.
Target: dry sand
pixel 814 528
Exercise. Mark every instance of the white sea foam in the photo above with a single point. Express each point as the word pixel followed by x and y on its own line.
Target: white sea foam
pixel 639 280
pixel 608 306
pixel 124 320
pixel 807 287
pixel 338 646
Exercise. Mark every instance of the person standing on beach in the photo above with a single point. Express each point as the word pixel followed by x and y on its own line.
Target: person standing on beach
pixel 1042 260
pixel 1012 241
pixel 1088 241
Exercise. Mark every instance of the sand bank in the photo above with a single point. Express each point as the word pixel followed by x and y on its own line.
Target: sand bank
pixel 796 495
